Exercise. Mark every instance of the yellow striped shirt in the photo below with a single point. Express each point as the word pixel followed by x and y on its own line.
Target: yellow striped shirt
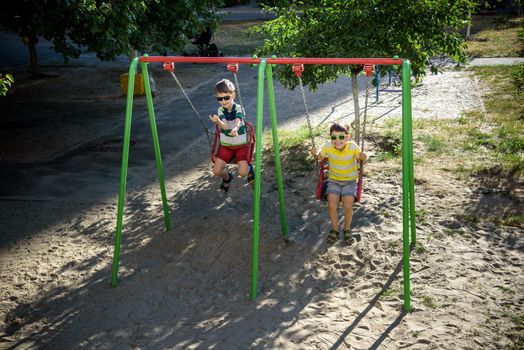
pixel 342 163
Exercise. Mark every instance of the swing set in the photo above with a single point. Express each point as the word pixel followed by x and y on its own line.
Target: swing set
pixel 254 141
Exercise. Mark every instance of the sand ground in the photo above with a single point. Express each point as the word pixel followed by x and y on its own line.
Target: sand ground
pixel 188 289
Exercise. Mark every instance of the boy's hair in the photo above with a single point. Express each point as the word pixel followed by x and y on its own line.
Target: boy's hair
pixel 339 128
pixel 224 86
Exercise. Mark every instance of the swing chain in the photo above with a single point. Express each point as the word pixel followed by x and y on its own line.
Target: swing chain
pixel 307 112
pixel 240 99
pixel 206 129
pixel 364 119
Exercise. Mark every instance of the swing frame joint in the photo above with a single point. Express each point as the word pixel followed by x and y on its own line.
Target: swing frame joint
pixel 298 68
pixel 169 66
pixel 368 68
pixel 232 67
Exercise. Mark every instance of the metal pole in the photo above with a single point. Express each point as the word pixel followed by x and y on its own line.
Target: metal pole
pixel 258 168
pixel 156 144
pixel 123 169
pixel 411 163
pixel 276 147
pixel 406 105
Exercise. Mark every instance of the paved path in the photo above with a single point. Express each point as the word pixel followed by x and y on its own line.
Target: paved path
pixel 493 61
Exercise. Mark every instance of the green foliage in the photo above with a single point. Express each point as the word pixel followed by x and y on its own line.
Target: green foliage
pixel 109 28
pixel 517 78
pixel 6 80
pixel 433 143
pixel 417 31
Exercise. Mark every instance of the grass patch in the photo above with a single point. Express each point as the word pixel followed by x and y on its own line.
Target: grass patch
pixel 428 301
pixel 506 289
pixel 390 292
pixel 433 143
pixel 295 148
pixel 419 248
pixel 495 36
pixel 449 232
pixel 516 331
pixel 237 39
pixel 421 215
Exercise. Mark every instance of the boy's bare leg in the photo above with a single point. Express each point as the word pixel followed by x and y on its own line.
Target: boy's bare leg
pixel 219 169
pixel 347 202
pixel 243 168
pixel 333 200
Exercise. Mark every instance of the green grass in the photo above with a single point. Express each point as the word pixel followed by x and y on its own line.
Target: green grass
pixel 419 248
pixel 433 143
pixel 496 36
pixel 516 332
pixel 428 301
pixel 492 141
pixel 421 215
pixel 295 148
pixel 237 39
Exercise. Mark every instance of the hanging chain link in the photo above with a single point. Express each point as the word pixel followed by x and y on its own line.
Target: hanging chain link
pixel 243 107
pixel 206 129
pixel 364 119
pixel 307 112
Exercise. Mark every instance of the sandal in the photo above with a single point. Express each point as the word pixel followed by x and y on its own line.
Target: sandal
pixel 223 186
pixel 348 238
pixel 332 237
pixel 251 175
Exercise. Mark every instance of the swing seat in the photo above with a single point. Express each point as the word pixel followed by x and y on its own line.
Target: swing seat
pixel 250 143
pixel 322 181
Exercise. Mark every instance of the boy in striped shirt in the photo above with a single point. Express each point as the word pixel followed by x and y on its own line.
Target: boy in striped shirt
pixel 343 155
pixel 233 136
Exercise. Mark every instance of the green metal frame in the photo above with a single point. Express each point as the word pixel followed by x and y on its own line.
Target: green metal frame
pixel 265 73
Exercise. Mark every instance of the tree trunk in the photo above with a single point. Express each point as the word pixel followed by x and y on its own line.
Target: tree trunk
pixel 354 87
pixel 31 41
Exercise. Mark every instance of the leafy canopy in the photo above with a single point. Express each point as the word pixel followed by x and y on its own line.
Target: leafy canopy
pixel 108 28
pixel 413 29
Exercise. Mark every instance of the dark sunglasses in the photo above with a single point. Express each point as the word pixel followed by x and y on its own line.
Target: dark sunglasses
pixel 340 137
pixel 225 98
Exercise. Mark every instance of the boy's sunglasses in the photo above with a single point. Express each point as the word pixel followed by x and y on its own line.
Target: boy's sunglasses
pixel 340 137
pixel 225 98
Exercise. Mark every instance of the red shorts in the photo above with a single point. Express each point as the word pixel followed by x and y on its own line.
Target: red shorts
pixel 226 153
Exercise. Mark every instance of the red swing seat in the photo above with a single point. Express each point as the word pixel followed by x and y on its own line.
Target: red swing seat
pixel 322 181
pixel 250 143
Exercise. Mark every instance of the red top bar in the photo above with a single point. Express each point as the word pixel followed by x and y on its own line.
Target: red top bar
pixel 190 59
pixel 283 60
pixel 310 60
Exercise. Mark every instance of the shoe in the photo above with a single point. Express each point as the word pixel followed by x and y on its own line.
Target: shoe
pixel 348 238
pixel 251 175
pixel 223 186
pixel 332 237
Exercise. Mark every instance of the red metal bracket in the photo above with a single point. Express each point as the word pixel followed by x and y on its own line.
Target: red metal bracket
pixel 368 68
pixel 232 67
pixel 298 68
pixel 169 66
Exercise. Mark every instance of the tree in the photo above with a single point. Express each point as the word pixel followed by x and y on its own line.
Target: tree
pixel 416 30
pixel 108 28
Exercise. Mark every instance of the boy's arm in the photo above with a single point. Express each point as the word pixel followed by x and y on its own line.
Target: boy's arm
pixel 237 124
pixel 216 119
pixel 318 154
pixel 362 156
